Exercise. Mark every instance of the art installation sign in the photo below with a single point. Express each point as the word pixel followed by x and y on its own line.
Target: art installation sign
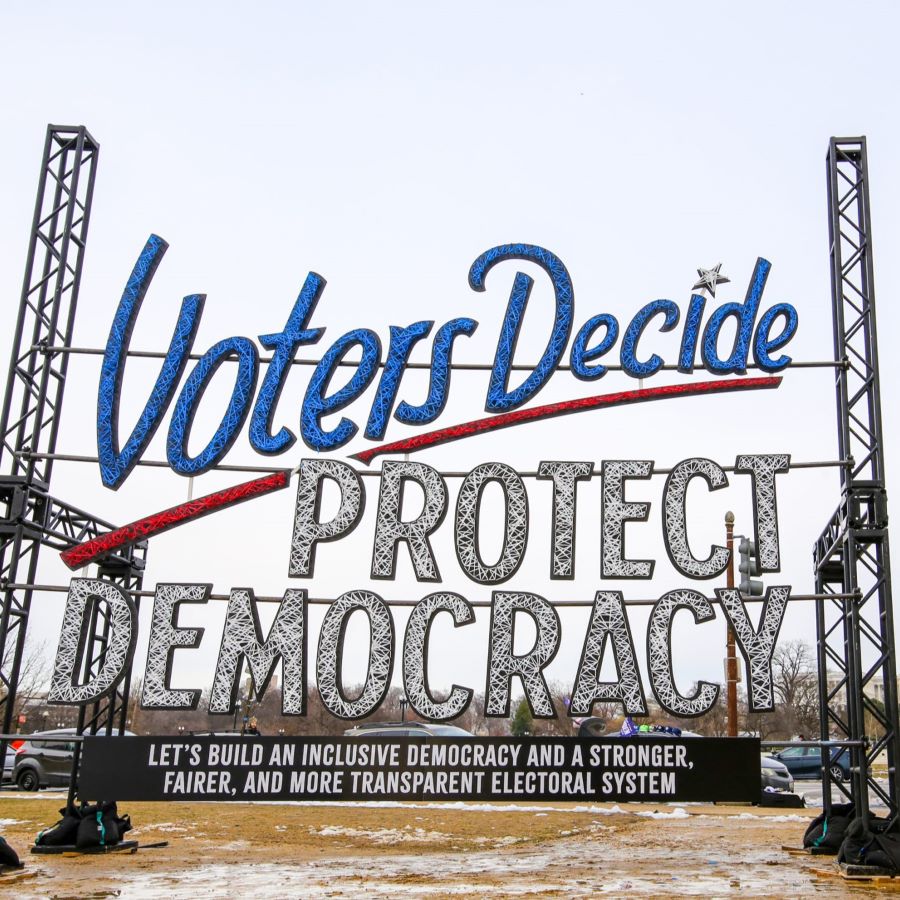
pixel 487 769
pixel 721 341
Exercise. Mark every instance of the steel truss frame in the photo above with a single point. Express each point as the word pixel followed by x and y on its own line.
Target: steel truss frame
pixel 852 561
pixel 852 556
pixel 29 424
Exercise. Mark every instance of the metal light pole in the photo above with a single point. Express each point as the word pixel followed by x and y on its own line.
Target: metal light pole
pixel 730 654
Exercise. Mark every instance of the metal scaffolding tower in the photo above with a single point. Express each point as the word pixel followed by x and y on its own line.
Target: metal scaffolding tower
pixel 856 631
pixel 30 517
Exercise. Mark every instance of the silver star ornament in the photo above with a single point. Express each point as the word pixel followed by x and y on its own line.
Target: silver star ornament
pixel 709 278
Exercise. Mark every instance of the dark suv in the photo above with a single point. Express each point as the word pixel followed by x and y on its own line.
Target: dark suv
pixel 44 763
pixel 806 762
pixel 45 759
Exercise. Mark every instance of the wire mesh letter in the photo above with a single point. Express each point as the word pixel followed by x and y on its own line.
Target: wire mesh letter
pixel 308 530
pixel 763 468
pixel 608 619
pixel 616 512
pixel 165 638
pixel 757 647
pixel 390 530
pixel 119 649
pixel 503 664
pixel 659 654
pixel 242 637
pixel 566 476
pixel 331 648
pixel 675 530
pixel 415 656
pixel 515 534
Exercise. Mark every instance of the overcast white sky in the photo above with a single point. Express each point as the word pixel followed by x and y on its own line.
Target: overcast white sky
pixel 385 147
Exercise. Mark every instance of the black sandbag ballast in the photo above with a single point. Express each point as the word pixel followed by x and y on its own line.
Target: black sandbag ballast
pixel 868 842
pixel 64 832
pixel 827 832
pixel 8 856
pixel 86 827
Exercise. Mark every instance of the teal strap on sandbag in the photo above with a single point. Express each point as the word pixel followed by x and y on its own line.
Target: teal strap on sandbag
pixel 817 842
pixel 102 828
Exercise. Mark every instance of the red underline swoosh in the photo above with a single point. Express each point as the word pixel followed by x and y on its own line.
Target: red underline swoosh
pixel 548 411
pixel 83 554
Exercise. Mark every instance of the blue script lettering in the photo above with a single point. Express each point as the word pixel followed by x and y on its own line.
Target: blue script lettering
pixel 320 400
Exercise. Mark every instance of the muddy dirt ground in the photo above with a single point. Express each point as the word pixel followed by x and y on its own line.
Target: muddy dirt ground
pixel 433 850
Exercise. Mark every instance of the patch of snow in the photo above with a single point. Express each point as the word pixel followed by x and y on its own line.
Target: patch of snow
pixel 381 835
pixel 677 813
pixel 235 845
pixel 37 795
pixel 406 835
pixel 460 805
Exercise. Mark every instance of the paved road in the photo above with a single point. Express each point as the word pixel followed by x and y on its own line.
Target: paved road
pixel 812 790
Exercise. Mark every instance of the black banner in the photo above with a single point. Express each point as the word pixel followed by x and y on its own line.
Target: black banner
pixel 487 769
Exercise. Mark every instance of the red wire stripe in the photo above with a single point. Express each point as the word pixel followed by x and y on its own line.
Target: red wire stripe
pixel 504 420
pixel 83 554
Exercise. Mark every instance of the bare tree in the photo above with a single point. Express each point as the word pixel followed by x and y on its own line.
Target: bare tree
pixel 561 725
pixel 765 725
pixel 34 675
pixel 795 681
pixel 713 723
pixel 475 720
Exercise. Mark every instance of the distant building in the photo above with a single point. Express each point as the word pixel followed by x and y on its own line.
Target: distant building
pixel 35 714
pixel 874 689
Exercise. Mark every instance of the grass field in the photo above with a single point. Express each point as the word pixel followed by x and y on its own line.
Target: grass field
pixel 426 850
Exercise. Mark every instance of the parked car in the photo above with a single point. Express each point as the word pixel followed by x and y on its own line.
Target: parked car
pixel 45 762
pixel 406 729
pixel 806 762
pixel 775 774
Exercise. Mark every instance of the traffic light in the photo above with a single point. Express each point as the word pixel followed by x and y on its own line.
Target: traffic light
pixel 749 565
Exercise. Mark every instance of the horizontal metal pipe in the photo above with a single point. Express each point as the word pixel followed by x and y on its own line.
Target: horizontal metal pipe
pixel 461 367
pixel 847 743
pixel 325 601
pixel 369 473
